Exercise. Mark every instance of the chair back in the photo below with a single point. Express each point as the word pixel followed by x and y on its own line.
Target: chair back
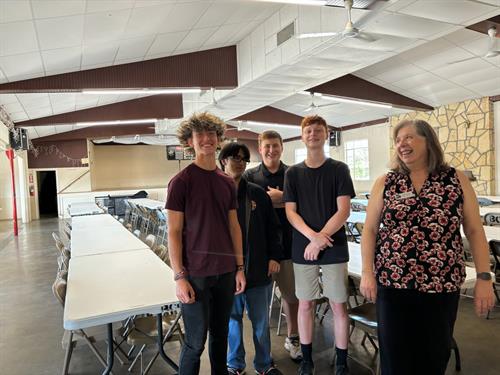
pixel 150 240
pixel 495 251
pixel 59 289
pixel 492 218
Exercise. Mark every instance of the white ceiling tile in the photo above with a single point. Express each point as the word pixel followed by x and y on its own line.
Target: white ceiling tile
pixel 414 81
pixel 19 116
pixel 39 112
pixel 108 26
pixel 442 59
pixel 151 3
pixel 147 20
pixel 99 54
pixel 127 61
pixel 108 5
pixel 60 32
pixel 217 14
pixel 463 36
pixel 14 10
pixel 465 68
pixel 272 25
pixel 222 34
pixel 17 37
pixel 288 14
pixel 406 26
pixel 3 78
pixel 60 8
pixel 38 100
pixel 245 30
pixel 62 59
pixel 196 38
pixel 44 131
pixel 399 73
pixel 452 11
pixel 488 87
pixel 134 48
pixel 13 107
pixel 63 107
pixel 15 67
pixel 32 134
pixel 63 128
pixel 8 99
pixel 166 43
pixel 185 15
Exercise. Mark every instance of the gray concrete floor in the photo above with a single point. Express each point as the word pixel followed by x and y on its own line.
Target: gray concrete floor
pixel 31 321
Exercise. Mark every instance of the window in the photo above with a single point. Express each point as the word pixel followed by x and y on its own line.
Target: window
pixel 301 153
pixel 356 157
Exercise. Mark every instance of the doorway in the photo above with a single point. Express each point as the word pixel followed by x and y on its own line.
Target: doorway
pixel 47 194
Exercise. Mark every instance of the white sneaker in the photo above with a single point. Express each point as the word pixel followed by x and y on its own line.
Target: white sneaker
pixel 292 345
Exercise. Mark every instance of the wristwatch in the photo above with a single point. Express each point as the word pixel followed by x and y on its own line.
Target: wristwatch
pixel 484 276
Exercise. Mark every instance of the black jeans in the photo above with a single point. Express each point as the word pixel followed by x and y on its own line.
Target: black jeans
pixel 415 330
pixel 209 313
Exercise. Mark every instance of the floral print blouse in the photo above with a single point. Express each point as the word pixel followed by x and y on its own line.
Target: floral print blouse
pixel 419 245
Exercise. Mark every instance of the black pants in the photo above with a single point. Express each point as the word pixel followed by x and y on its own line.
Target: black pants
pixel 415 331
pixel 210 312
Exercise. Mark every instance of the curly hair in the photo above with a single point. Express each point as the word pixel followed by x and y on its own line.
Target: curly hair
pixel 200 122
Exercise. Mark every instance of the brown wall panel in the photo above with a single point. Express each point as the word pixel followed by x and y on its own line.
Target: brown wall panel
pixel 58 154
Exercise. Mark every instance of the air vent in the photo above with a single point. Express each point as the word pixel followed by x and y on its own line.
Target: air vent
pixel 286 33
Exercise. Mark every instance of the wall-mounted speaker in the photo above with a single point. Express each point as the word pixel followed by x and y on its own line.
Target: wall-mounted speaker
pixel 334 138
pixel 18 139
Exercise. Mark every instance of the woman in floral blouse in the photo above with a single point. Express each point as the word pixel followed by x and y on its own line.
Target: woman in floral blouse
pixel 413 254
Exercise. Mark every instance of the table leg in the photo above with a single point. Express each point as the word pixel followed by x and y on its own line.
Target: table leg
pixel 160 344
pixel 107 370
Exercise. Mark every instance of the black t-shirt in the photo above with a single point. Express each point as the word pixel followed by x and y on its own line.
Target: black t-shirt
pixel 315 191
pixel 261 176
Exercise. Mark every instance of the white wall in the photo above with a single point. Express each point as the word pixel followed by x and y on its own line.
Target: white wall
pixel 5 179
pixel 378 145
pixel 496 133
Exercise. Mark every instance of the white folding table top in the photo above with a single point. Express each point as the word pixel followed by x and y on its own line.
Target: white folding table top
pixel 355 266
pixel 148 203
pixel 493 198
pixel 357 217
pixel 487 209
pixel 84 208
pixel 104 240
pixel 110 287
pixel 91 222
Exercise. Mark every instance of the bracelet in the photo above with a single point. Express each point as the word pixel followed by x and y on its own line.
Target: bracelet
pixel 240 267
pixel 181 275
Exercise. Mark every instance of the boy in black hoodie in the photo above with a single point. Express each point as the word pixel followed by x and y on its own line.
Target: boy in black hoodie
pixel 262 251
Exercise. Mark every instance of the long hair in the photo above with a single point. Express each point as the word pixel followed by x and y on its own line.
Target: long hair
pixel 435 154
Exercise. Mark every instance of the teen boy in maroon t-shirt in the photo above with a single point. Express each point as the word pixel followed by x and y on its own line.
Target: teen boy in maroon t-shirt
pixel 205 247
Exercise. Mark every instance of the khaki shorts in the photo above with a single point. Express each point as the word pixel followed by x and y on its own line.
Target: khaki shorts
pixel 334 282
pixel 286 281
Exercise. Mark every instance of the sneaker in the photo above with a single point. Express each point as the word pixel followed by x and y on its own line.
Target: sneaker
pixel 306 368
pixel 341 370
pixel 271 371
pixel 235 371
pixel 292 345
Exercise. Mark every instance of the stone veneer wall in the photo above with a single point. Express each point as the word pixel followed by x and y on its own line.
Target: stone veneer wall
pixel 466 133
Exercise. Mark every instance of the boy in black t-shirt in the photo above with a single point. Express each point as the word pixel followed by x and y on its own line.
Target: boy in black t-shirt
pixel 317 196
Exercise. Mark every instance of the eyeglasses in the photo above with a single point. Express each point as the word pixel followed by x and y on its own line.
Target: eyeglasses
pixel 239 159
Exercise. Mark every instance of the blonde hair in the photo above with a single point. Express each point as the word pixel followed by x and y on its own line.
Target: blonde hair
pixel 435 154
pixel 270 134
pixel 200 122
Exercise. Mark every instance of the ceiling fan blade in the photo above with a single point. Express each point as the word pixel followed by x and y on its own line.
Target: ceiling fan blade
pixel 366 37
pixel 316 35
pixel 492 54
pixel 309 109
pixel 462 60
pixel 326 105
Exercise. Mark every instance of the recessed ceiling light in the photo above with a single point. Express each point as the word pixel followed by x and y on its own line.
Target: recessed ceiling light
pixel 142 91
pixel 117 122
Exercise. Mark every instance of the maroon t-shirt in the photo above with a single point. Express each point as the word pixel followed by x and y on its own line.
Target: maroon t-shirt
pixel 205 198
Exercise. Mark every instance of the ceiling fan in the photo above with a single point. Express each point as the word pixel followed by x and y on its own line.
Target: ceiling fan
pixel 350 30
pixel 213 101
pixel 490 52
pixel 313 106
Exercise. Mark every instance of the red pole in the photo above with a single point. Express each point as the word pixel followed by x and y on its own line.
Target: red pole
pixel 10 156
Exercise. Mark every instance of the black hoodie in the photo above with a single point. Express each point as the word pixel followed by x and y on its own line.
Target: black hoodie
pixel 261 236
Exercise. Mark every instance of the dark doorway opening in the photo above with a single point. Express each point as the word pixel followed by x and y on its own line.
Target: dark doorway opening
pixel 47 194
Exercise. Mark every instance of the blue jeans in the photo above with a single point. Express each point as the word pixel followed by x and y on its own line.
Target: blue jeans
pixel 256 301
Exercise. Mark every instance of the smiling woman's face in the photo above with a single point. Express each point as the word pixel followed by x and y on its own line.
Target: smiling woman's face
pixel 411 147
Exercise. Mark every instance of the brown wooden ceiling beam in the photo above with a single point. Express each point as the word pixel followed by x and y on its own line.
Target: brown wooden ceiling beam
pixel 232 132
pixel 483 26
pixel 352 87
pixel 157 106
pixel 204 69
pixel 98 132
pixel 271 115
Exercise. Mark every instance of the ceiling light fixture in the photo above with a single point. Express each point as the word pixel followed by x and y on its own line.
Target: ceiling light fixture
pixel 117 122
pixel 270 124
pixel 340 99
pixel 298 2
pixel 142 91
